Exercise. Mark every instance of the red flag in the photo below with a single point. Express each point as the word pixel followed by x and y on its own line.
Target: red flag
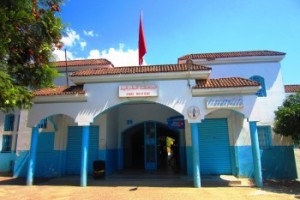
pixel 142 42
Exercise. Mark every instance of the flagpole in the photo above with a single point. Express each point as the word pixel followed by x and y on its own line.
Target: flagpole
pixel 66 61
pixel 141 43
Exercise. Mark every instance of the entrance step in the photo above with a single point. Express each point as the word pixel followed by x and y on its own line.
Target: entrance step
pixel 225 180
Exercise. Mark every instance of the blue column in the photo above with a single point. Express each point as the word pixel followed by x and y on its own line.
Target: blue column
pixel 84 155
pixel 256 154
pixel 196 155
pixel 32 155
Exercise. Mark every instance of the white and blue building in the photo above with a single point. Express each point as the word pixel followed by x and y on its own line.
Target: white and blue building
pixel 217 109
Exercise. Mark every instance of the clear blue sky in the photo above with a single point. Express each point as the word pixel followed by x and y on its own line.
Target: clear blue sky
pixel 173 28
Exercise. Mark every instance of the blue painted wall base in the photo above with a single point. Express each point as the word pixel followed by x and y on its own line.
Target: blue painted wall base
pixel 7 161
pixel 278 162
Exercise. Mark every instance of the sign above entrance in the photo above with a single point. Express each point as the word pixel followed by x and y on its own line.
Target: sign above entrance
pixel 138 91
pixel 224 102
pixel 176 122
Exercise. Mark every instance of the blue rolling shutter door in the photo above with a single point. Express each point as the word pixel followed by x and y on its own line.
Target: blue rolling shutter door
pixel 214 147
pixel 73 159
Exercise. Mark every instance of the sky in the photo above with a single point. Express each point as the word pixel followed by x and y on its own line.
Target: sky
pixel 173 28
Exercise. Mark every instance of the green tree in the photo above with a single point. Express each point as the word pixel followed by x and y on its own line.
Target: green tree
pixel 29 32
pixel 287 118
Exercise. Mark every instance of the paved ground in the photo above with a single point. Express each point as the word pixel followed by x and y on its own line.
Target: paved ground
pixel 60 189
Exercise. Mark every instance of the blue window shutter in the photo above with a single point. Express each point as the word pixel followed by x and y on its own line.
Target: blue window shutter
pixel 9 122
pixel 43 123
pixel 6 143
pixel 264 137
pixel 262 92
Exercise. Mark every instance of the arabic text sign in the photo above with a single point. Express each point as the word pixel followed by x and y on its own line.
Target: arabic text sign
pixel 224 102
pixel 138 90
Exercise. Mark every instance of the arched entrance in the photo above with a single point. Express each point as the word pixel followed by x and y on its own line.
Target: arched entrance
pixel 151 146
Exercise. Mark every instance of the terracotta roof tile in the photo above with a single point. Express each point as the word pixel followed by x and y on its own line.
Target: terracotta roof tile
pixel 140 70
pixel 225 83
pixel 213 56
pixel 291 88
pixel 86 62
pixel 60 90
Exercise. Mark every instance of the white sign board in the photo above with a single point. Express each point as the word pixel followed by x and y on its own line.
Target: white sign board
pixel 138 91
pixel 224 102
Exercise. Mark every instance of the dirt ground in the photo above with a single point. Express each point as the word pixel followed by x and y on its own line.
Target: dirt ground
pixel 119 190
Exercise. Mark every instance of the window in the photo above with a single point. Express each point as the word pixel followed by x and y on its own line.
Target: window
pixel 262 92
pixel 6 143
pixel 264 136
pixel 43 123
pixel 9 122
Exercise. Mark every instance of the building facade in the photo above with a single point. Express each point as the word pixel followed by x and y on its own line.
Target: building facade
pixel 209 114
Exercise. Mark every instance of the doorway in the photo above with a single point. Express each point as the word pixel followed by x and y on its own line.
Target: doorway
pixel 151 146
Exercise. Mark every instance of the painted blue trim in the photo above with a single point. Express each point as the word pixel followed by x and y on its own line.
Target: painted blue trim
pixel 256 154
pixel 84 155
pixel 196 155
pixel 32 155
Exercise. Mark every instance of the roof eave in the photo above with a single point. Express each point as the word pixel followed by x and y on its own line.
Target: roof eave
pixel 60 98
pixel 248 59
pixel 139 77
pixel 82 67
pixel 219 91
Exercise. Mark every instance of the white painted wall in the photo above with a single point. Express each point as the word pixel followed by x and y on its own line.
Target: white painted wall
pixel 24 135
pixel 176 96
pixel 264 107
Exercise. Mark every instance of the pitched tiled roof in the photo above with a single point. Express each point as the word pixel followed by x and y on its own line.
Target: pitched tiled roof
pixel 291 88
pixel 87 62
pixel 230 54
pixel 225 83
pixel 140 70
pixel 60 90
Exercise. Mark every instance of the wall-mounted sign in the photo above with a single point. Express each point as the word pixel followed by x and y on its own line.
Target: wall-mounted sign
pixel 224 102
pixel 176 122
pixel 138 91
pixel 193 112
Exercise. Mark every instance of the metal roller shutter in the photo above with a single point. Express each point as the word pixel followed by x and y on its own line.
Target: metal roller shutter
pixel 214 147
pixel 73 157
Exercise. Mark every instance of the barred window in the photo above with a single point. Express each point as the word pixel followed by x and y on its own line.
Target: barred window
pixel 264 137
pixel 6 143
pixel 9 122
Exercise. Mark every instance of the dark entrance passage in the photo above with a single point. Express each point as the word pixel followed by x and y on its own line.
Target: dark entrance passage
pixel 151 146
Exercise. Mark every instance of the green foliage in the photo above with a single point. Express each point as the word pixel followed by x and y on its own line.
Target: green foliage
pixel 287 118
pixel 29 31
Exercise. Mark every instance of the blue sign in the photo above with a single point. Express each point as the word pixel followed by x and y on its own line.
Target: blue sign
pixel 176 122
